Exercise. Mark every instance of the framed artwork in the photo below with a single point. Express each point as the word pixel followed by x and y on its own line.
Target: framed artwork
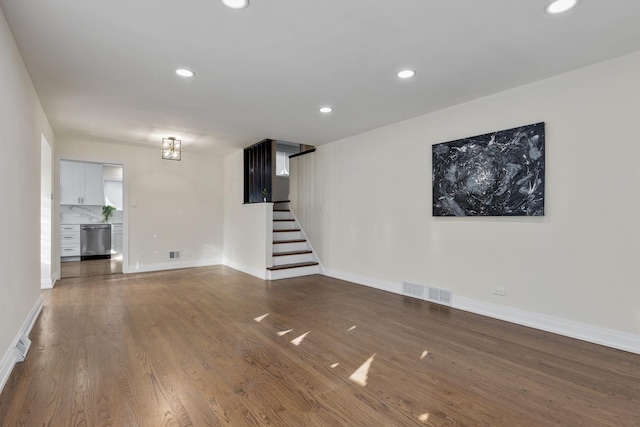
pixel 496 174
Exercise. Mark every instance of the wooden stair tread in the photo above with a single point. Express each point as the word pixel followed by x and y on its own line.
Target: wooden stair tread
pixel 287 231
pixel 292 253
pixel 281 210
pixel 283 220
pixel 288 266
pixel 289 241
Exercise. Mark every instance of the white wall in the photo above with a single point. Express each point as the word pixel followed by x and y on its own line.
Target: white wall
pixel 248 229
pixel 308 192
pixel 178 205
pixel 575 268
pixel 23 123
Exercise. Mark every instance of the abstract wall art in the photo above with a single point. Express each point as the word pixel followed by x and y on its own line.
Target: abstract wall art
pixel 496 174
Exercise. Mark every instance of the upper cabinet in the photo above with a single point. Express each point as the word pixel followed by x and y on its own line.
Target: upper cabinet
pixel 93 184
pixel 81 183
pixel 113 191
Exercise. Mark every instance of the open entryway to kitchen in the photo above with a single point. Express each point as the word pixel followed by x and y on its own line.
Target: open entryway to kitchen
pixel 91 218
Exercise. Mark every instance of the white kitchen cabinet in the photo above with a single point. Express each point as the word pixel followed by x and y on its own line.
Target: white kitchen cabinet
pixel 81 183
pixel 69 241
pixel 116 238
pixel 93 184
pixel 71 182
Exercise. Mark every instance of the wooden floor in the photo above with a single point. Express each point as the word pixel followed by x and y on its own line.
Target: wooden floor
pixel 212 346
pixel 94 267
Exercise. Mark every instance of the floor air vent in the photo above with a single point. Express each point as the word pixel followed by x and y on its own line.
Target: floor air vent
pixel 22 346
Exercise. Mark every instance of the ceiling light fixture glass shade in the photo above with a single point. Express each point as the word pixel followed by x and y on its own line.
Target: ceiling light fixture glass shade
pixel 326 109
pixel 236 4
pixel 183 72
pixel 171 149
pixel 560 6
pixel 406 74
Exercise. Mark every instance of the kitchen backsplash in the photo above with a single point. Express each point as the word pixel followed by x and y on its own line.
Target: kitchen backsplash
pixel 75 214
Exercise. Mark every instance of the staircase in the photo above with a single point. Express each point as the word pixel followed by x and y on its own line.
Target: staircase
pixel 292 254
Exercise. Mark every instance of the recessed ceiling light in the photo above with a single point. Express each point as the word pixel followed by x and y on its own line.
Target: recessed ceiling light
pixel 326 109
pixel 183 72
pixel 560 6
pixel 406 74
pixel 236 4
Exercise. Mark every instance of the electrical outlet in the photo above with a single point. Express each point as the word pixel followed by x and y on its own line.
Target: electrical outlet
pixel 499 291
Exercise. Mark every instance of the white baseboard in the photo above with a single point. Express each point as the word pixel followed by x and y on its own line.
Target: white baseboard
pixel 50 283
pixel 383 285
pixel 173 265
pixel 46 284
pixel 12 356
pixel 593 334
pixel 256 272
pixel 293 272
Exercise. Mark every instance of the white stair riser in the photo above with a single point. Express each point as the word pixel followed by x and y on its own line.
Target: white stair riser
pixel 290 247
pixel 282 215
pixel 293 272
pixel 284 225
pixel 287 235
pixel 292 259
pixel 279 235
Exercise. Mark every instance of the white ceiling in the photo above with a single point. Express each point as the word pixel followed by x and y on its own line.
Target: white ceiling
pixel 104 70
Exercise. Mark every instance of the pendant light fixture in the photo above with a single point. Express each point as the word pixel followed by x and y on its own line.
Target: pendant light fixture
pixel 171 149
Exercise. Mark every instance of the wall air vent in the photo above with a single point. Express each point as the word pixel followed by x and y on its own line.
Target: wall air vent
pixel 407 288
pixel 413 290
pixel 445 297
pixel 174 255
pixel 440 296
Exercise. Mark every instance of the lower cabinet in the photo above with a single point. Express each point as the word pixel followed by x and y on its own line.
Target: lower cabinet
pixel 116 238
pixel 69 241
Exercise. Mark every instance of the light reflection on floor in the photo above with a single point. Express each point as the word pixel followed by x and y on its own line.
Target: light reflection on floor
pixel 261 318
pixel 298 341
pixel 361 375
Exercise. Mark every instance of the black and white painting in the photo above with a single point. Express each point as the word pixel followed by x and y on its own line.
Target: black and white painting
pixel 496 174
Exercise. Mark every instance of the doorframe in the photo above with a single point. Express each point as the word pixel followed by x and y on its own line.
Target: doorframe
pixel 125 203
pixel 47 273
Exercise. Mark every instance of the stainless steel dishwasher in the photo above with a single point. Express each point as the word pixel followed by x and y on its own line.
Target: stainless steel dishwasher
pixel 95 241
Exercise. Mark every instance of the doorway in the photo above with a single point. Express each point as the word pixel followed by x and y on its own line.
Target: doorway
pixel 90 194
